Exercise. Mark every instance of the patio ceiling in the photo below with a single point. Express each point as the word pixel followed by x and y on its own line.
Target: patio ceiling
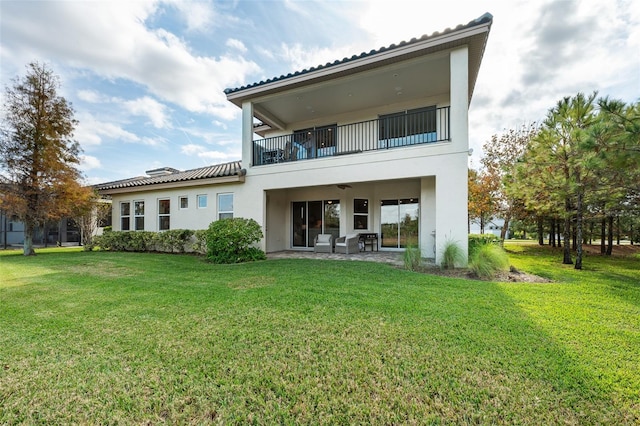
pixel 397 74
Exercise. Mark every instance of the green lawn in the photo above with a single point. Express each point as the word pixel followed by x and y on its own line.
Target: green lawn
pixel 109 338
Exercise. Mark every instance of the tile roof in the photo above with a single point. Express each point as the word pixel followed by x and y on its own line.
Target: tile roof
pixel 233 168
pixel 486 18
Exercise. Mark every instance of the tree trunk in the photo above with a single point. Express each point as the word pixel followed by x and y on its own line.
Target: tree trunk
pixel 610 236
pixel 566 236
pixel 540 231
pixel 579 231
pixel 505 227
pixel 603 235
pixel 552 233
pixel 558 233
pixel 618 230
pixel 481 224
pixel 28 238
pixel 631 234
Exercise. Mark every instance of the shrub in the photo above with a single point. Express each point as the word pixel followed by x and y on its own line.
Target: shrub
pixel 452 255
pixel 231 240
pixel 199 241
pixel 140 240
pixel 487 260
pixel 173 240
pixel 478 240
pixel 412 258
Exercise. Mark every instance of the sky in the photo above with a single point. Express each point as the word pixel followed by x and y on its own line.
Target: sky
pixel 146 78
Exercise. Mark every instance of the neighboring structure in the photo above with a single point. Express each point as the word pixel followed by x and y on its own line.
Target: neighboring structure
pixel 62 232
pixel 376 143
pixel 492 226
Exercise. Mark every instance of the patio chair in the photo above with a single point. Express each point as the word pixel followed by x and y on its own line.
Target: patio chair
pixel 348 244
pixel 323 243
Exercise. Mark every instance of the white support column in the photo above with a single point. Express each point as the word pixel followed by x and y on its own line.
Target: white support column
pixel 459 65
pixel 428 217
pixel 247 134
pixel 451 183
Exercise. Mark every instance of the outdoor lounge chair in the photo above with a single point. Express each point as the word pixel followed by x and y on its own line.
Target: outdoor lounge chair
pixel 348 244
pixel 323 243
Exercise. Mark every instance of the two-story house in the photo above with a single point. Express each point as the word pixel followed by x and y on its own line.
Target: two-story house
pixel 375 143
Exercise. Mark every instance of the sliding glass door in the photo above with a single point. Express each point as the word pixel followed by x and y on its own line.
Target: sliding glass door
pixel 399 223
pixel 310 218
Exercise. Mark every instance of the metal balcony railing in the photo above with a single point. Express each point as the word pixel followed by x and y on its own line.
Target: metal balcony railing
pixel 426 125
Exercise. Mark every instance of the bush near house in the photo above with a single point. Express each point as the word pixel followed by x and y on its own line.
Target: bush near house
pixel 232 241
pixel 175 240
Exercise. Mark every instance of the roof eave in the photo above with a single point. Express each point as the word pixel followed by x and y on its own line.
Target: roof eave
pixel 387 55
pixel 238 178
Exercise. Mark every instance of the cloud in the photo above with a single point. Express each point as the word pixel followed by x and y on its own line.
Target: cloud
pixel 192 149
pixel 110 40
pixel 89 162
pixel 148 107
pixel 91 131
pixel 236 44
pixel 198 15
pixel 91 96
pixel 205 154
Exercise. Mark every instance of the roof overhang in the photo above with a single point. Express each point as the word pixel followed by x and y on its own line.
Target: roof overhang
pixel 418 68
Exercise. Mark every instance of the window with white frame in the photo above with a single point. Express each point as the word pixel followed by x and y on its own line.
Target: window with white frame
pixel 164 214
pixel 138 215
pixel 184 202
pixel 125 216
pixel 225 206
pixel 360 213
pixel 201 201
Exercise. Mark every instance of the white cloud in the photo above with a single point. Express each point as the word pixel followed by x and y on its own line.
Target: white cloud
pixel 89 162
pixel 199 15
pixel 91 131
pixel 150 108
pixel 236 44
pixel 192 149
pixel 111 40
pixel 90 96
pixel 205 154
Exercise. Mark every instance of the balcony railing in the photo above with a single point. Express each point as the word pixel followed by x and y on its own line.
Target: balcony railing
pixel 422 126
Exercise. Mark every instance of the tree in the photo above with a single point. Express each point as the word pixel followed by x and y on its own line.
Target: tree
pixel 501 156
pixel 38 156
pixel 563 165
pixel 481 202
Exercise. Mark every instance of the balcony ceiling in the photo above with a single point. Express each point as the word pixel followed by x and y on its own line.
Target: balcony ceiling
pixel 401 82
pixel 397 74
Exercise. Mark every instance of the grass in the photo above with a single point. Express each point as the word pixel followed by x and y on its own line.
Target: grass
pixel 145 338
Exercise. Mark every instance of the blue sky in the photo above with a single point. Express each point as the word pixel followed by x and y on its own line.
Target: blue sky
pixel 146 78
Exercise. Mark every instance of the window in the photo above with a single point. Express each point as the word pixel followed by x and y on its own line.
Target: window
pixel 125 216
pixel 202 201
pixel 225 206
pixel 408 127
pixel 184 202
pixel 360 213
pixel 164 214
pixel 138 214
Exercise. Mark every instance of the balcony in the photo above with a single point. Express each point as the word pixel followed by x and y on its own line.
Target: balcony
pixel 415 127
